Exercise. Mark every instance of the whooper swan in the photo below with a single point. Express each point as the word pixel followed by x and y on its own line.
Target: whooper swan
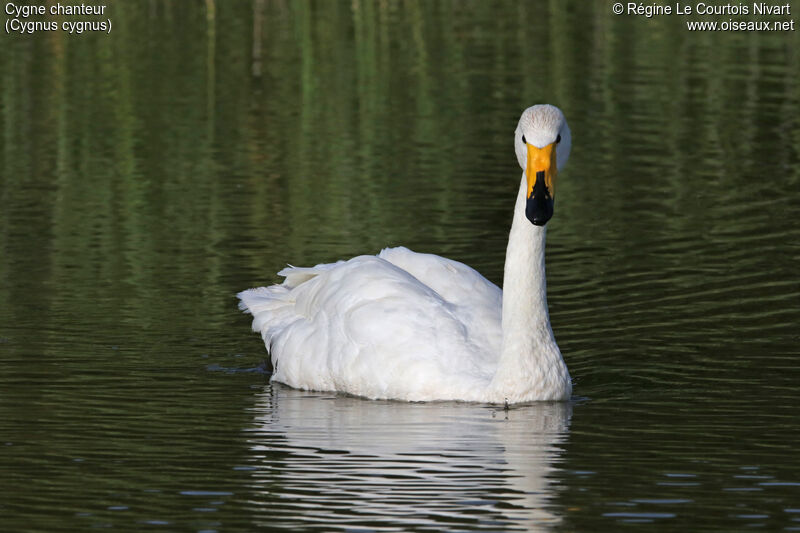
pixel 418 327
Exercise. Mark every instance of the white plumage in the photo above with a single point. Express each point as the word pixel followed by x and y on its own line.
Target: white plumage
pixel 410 326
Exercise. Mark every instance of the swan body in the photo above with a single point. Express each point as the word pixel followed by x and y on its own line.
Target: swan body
pixel 419 327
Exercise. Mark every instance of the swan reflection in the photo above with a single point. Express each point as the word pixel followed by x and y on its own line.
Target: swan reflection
pixel 320 458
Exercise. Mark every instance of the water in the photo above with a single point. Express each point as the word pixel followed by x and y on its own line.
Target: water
pixel 150 174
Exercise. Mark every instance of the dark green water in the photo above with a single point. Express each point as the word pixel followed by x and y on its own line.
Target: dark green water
pixel 148 175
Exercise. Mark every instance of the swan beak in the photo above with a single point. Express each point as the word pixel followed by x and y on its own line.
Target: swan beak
pixel 541 171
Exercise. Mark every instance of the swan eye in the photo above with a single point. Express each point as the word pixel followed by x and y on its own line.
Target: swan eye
pixel 558 139
pixel 523 140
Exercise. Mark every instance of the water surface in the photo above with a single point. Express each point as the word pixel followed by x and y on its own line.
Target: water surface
pixel 150 174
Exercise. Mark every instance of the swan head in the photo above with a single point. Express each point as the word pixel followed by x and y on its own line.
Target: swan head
pixel 542 142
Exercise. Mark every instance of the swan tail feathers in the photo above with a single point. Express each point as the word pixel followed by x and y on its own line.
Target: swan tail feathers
pixel 262 299
pixel 272 309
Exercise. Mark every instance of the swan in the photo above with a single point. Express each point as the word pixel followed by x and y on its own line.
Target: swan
pixel 418 327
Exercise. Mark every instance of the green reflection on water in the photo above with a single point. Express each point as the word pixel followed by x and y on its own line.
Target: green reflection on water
pixel 149 174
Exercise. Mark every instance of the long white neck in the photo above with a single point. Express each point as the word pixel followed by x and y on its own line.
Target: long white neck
pixel 530 367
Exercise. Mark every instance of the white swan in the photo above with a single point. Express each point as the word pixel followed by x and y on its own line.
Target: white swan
pixel 417 327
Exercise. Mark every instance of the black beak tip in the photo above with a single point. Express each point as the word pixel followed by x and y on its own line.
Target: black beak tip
pixel 539 210
pixel 539 207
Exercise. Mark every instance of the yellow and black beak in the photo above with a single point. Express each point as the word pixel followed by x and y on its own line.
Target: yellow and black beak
pixel 541 171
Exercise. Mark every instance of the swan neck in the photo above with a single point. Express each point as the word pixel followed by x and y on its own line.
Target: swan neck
pixel 530 362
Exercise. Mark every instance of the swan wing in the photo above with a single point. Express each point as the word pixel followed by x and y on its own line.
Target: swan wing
pixel 480 301
pixel 456 282
pixel 370 327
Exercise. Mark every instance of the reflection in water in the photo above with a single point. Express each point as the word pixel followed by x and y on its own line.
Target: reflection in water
pixel 347 461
